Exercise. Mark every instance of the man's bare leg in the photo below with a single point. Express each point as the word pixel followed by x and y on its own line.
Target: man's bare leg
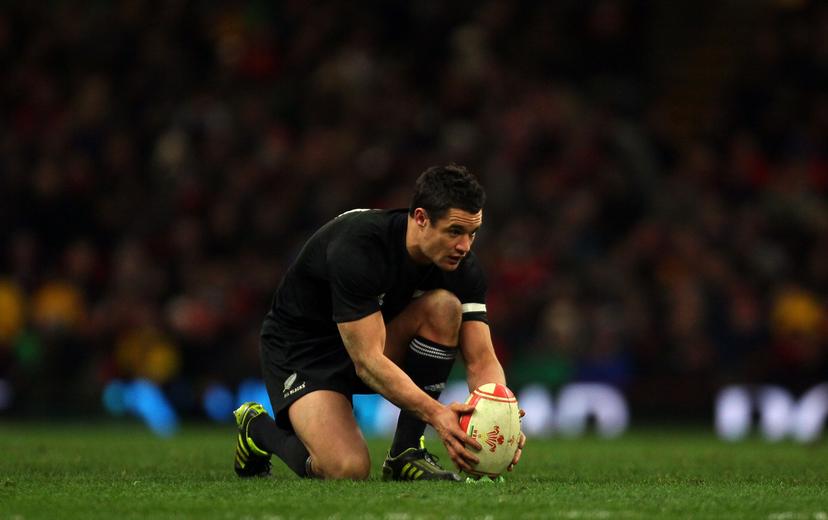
pixel 325 423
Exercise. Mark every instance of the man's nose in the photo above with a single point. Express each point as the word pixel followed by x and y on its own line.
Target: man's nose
pixel 464 244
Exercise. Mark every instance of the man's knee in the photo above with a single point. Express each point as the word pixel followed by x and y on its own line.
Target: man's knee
pixel 353 467
pixel 443 312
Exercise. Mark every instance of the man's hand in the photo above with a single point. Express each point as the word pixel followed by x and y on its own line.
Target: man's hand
pixel 446 422
pixel 521 443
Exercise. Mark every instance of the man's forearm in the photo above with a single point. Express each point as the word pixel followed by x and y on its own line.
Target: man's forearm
pixel 386 378
pixel 485 371
pixel 482 365
pixel 364 340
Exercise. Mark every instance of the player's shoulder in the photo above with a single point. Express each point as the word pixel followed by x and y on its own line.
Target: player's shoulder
pixel 367 222
pixel 368 231
pixel 369 215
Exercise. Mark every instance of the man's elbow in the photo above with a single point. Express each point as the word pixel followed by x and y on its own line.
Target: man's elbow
pixel 363 369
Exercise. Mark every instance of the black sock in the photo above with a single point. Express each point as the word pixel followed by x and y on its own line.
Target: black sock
pixel 428 364
pixel 285 444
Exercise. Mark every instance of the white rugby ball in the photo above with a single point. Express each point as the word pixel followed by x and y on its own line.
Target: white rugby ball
pixel 495 424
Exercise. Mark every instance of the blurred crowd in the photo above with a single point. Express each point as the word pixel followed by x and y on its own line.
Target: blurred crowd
pixel 162 162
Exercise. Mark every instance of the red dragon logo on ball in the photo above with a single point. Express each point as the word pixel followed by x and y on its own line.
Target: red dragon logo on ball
pixel 494 438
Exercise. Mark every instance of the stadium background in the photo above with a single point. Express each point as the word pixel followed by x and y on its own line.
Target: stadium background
pixel 656 174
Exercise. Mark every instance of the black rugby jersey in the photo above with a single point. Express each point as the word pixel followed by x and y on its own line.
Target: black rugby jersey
pixel 355 265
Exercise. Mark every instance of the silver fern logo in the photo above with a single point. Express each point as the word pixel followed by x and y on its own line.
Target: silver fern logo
pixel 289 381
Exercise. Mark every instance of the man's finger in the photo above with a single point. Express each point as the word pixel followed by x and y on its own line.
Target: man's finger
pixel 462 464
pixel 463 452
pixel 458 453
pixel 518 453
pixel 461 408
pixel 466 439
pixel 515 460
pixel 467 455
pixel 471 441
pixel 457 458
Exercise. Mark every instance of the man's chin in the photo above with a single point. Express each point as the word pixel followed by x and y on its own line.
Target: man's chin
pixel 449 264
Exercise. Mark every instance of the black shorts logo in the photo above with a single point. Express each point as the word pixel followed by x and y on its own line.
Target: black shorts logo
pixel 288 391
pixel 289 381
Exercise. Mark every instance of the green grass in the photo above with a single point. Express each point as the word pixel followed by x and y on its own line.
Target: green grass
pixel 70 471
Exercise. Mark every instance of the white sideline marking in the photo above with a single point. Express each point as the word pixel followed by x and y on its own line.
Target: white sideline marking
pixel 586 514
pixel 793 515
pixel 596 513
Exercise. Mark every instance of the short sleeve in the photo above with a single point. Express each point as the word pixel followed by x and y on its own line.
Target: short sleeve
pixel 356 268
pixel 468 283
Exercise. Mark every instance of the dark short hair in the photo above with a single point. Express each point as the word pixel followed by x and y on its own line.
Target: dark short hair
pixel 441 188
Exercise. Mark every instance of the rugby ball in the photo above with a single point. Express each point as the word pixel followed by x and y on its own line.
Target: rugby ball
pixel 495 424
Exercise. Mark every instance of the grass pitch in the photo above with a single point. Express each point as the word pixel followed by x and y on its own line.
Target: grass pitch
pixel 106 471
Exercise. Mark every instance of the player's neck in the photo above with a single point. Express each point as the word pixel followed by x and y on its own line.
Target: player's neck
pixel 412 245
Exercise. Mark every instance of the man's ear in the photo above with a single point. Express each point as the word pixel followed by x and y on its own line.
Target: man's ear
pixel 420 217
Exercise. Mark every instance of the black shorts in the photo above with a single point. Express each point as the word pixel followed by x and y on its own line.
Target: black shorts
pixel 294 370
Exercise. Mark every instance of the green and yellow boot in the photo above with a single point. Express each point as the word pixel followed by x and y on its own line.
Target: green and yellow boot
pixel 416 464
pixel 251 461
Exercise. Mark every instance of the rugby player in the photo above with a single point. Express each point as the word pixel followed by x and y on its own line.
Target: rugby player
pixel 377 301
